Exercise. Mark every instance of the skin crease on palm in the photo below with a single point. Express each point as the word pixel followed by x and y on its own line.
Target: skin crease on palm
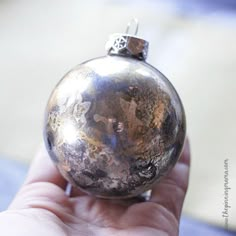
pixel 42 208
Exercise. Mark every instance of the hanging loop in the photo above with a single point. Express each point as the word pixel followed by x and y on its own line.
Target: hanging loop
pixel 133 23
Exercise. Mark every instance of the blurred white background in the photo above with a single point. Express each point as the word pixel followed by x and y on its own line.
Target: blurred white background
pixel 193 45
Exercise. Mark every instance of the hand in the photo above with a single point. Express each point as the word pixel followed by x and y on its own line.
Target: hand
pixel 42 208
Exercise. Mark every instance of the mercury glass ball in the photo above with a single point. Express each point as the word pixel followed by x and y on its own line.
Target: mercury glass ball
pixel 114 126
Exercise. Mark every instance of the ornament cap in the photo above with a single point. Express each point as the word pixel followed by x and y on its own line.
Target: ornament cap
pixel 127 44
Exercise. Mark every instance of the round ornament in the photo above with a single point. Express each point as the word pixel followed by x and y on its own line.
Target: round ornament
pixel 114 125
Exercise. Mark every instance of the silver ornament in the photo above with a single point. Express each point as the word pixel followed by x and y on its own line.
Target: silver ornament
pixel 115 125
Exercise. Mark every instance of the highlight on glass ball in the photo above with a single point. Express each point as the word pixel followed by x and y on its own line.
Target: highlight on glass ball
pixel 115 125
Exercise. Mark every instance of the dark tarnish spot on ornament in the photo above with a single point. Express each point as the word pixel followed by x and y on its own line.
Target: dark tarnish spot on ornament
pixel 50 145
pixel 89 174
pixel 50 141
pixel 100 173
pixel 95 176
pixel 168 128
pixel 118 192
pixel 146 171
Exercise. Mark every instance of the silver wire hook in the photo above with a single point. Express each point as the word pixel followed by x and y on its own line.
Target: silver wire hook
pixel 133 21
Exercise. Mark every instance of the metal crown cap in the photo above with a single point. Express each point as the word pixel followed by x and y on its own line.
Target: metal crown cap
pixel 127 44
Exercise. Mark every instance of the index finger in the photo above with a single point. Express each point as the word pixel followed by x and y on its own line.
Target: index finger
pixel 42 169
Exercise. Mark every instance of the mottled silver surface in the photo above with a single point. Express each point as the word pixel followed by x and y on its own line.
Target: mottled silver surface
pixel 113 126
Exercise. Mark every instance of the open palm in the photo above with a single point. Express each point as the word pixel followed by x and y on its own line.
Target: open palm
pixel 42 208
